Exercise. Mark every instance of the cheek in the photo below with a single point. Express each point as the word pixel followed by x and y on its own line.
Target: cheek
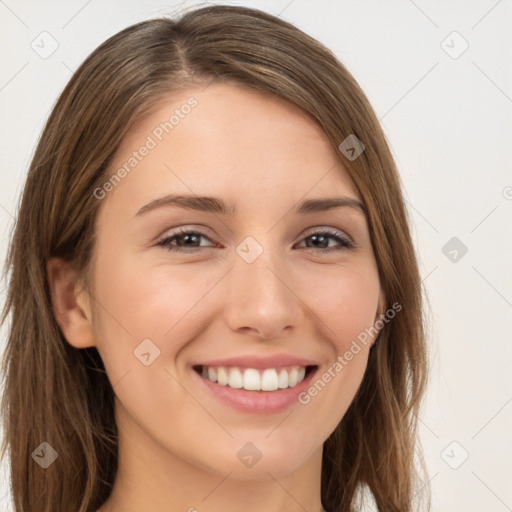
pixel 346 302
pixel 149 315
pixel 149 301
pixel 346 306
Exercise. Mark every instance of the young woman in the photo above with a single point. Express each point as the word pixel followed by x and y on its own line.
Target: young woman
pixel 214 298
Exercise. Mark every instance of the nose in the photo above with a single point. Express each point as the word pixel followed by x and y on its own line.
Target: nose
pixel 262 300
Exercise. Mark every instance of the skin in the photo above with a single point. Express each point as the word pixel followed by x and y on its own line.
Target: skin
pixel 177 442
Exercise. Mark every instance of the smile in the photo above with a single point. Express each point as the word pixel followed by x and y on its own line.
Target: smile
pixel 252 379
pixel 255 383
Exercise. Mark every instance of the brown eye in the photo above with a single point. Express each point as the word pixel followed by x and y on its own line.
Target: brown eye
pixel 184 238
pixel 320 240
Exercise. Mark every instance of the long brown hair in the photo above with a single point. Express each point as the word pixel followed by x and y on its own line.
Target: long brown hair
pixel 61 395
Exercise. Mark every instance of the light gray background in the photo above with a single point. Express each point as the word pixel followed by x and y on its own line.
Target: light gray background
pixel 449 124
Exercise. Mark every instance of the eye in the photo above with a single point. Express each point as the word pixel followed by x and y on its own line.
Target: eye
pixel 320 240
pixel 184 238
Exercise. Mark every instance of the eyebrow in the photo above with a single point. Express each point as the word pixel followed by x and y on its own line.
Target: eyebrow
pixel 219 206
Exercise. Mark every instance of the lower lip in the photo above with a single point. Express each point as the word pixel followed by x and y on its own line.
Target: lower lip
pixel 257 402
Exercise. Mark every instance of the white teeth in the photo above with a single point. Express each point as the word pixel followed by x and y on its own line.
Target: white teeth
pixel 283 379
pixel 212 374
pixel 236 379
pixel 292 377
pixel 252 379
pixel 269 380
pixel 222 376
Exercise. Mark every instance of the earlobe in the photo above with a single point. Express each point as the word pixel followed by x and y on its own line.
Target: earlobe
pixel 70 304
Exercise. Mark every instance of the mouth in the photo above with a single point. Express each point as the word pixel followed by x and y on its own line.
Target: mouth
pixel 256 379
pixel 261 391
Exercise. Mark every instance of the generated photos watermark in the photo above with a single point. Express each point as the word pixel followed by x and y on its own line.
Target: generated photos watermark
pixel 151 142
pixel 362 339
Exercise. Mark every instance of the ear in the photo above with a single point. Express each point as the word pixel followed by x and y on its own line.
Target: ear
pixel 70 303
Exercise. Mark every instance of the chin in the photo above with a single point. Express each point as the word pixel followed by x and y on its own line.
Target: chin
pixel 255 460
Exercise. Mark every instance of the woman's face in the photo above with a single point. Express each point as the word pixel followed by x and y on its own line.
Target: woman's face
pixel 260 297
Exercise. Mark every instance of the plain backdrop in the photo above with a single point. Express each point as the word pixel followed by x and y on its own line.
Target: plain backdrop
pixel 438 75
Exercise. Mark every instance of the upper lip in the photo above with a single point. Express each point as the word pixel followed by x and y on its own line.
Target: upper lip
pixel 258 361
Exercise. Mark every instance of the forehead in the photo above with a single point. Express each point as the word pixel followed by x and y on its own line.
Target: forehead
pixel 228 140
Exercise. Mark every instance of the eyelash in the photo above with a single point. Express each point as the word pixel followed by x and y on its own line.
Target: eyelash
pixel 344 241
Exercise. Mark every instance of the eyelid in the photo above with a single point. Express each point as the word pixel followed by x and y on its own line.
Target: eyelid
pixel 332 231
pixel 187 228
pixel 182 231
pixel 345 241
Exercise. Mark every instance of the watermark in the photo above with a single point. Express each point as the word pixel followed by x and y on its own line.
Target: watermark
pixel 454 45
pixel 351 147
pixel 454 455
pixel 146 352
pixel 45 45
pixel 454 249
pixel 343 360
pixel 45 455
pixel 249 249
pixel 249 455
pixel 151 142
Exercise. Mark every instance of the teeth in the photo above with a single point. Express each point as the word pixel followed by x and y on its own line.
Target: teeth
pixel 252 379
pixel 212 374
pixel 292 377
pixel 222 376
pixel 269 380
pixel 236 379
pixel 283 379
